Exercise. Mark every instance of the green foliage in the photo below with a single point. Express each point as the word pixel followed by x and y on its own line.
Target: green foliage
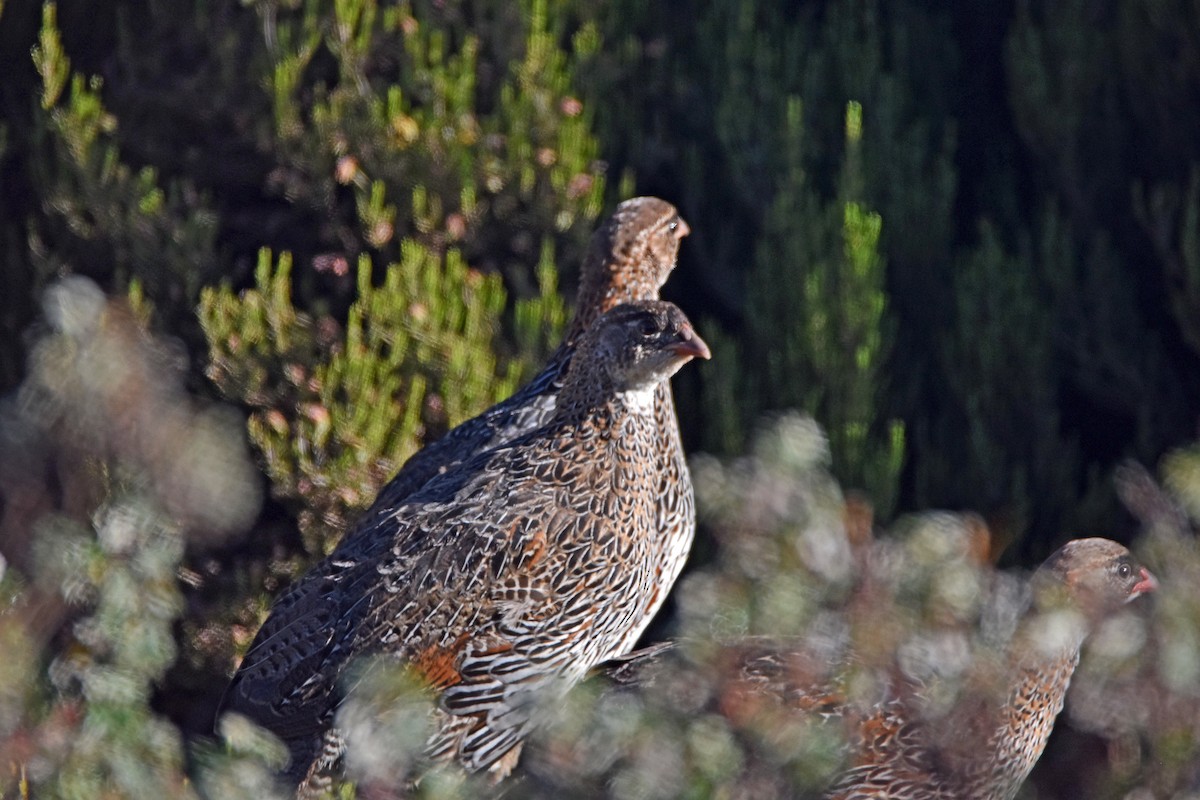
pixel 764 170
pixel 440 169
pixel 939 163
pixel 337 412
pixel 429 149
pixel 1171 218
pixel 123 570
pixel 102 214
pixel 800 532
pixel 243 765
pixel 1118 175
pixel 963 237
pixel 1116 673
pixel 1013 443
pixel 824 346
pixel 816 334
pixel 540 320
pixel 424 176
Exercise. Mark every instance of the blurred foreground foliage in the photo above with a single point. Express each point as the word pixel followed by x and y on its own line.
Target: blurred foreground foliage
pixel 802 573
pixel 101 504
pixel 964 240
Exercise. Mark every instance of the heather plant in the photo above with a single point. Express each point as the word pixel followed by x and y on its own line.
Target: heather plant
pixel 1075 177
pixel 432 139
pixel 337 412
pixel 817 330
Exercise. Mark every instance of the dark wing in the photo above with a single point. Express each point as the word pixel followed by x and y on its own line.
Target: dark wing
pixel 284 682
pixel 286 652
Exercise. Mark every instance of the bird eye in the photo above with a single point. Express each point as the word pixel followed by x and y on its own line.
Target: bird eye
pixel 1124 570
pixel 673 225
pixel 647 327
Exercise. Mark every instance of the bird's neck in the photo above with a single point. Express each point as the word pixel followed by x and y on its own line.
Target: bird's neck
pixel 1043 659
pixel 595 403
pixel 584 397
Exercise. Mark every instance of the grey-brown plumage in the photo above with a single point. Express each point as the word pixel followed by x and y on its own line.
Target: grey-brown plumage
pixel 521 568
pixel 629 259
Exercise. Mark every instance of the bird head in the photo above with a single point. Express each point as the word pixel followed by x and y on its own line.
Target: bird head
pixel 630 256
pixel 640 344
pixel 1095 576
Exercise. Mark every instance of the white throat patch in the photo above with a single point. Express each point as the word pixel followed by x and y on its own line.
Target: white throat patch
pixel 640 400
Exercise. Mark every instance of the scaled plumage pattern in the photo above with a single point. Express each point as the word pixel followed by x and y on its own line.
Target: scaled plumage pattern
pixel 629 259
pixel 543 557
pixel 521 568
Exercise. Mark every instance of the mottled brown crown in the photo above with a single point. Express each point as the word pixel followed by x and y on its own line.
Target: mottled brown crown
pixel 629 258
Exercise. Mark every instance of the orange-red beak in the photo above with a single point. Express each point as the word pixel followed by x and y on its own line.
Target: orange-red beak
pixel 690 345
pixel 1148 583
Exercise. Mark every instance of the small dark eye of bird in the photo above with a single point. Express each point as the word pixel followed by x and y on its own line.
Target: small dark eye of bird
pixel 1124 570
pixel 673 225
pixel 647 327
